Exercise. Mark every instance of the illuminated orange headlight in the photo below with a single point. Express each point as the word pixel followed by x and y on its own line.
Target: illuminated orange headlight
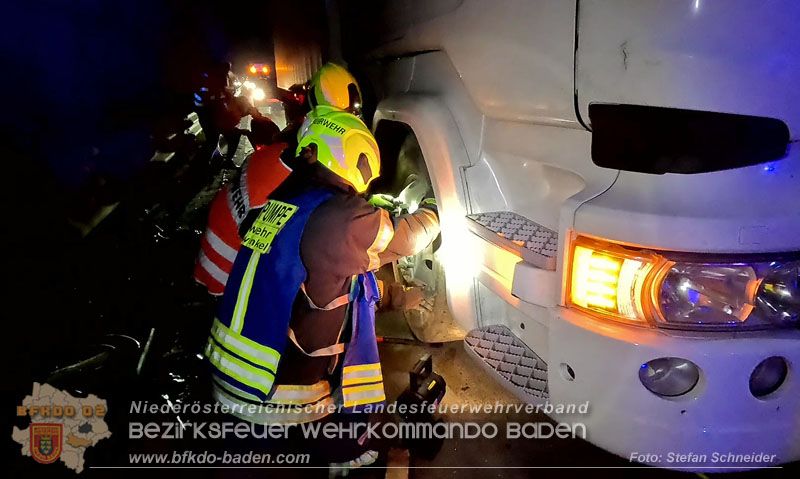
pixel 265 70
pixel 252 69
pixel 610 280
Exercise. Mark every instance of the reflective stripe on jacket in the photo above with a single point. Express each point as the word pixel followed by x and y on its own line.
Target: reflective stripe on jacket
pixel 260 175
pixel 361 380
pixel 250 332
pixel 249 336
pixel 275 412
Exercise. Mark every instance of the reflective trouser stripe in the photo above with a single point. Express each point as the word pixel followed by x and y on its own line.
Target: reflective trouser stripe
pixel 234 390
pixel 260 415
pixel 362 377
pixel 244 347
pixel 213 270
pixel 239 370
pixel 244 293
pixel 218 245
pixel 300 394
pixel 361 374
pixel 362 367
pixel 358 395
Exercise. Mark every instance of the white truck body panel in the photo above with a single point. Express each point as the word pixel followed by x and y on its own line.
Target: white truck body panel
pixel 731 56
pixel 494 111
pixel 734 56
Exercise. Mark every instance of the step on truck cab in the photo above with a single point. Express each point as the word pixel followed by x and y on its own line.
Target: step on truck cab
pixel 619 192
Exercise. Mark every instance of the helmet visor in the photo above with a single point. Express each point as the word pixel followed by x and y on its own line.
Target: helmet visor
pixel 355 100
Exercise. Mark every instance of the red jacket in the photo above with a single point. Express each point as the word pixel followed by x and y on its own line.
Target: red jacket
pixel 260 175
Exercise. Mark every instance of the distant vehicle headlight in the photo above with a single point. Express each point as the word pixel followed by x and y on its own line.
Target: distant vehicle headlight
pixel 683 292
pixel 258 94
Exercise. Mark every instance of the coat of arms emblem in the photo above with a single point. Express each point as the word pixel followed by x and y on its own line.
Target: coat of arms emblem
pixel 46 442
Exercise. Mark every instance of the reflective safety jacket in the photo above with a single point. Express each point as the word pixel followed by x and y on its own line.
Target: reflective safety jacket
pixel 251 331
pixel 260 175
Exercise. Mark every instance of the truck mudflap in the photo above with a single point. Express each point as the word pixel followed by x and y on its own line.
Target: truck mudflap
pixel 505 355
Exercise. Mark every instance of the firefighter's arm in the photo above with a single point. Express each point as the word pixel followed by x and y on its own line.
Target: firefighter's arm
pixel 412 232
pixel 385 239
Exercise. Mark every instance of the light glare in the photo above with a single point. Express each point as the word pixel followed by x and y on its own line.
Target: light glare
pixel 602 281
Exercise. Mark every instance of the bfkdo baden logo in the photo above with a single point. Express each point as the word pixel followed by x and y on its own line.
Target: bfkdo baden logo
pixel 61 426
pixel 46 440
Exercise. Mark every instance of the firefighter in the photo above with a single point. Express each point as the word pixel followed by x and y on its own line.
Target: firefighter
pixel 211 93
pixel 261 173
pixel 330 89
pixel 332 85
pixel 295 106
pixel 295 327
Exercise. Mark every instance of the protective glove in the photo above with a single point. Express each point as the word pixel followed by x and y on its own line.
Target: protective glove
pixel 430 203
pixel 382 200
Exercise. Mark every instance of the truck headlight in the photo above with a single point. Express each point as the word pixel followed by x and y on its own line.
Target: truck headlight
pixel 609 280
pixel 673 290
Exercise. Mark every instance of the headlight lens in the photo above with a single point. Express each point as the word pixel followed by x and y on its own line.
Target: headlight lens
pixel 659 289
pixel 695 293
pixel 755 295
pixel 669 377
pixel 778 297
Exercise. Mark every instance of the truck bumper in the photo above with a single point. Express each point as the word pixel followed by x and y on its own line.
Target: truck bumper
pixel 708 427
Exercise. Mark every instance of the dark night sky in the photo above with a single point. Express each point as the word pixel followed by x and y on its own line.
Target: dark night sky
pixel 84 81
pixel 83 84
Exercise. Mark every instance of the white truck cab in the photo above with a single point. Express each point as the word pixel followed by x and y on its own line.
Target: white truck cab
pixel 619 193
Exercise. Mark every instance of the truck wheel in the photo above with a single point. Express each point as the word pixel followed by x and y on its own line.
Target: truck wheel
pixel 432 322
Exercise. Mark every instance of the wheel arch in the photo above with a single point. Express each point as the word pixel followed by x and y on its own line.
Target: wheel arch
pixel 445 157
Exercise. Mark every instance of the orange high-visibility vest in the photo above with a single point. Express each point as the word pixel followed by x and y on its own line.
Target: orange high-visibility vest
pixel 260 175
